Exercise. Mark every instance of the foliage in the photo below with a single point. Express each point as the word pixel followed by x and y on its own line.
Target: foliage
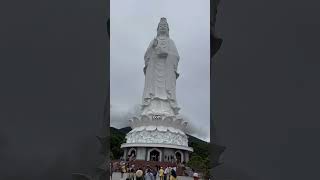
pixel 200 148
pixel 199 159
pixel 200 164
pixel 117 138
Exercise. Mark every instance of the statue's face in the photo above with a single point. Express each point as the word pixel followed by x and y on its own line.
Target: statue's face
pixel 163 28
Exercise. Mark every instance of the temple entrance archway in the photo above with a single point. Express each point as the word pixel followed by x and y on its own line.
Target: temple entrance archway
pixel 154 154
pixel 179 156
pixel 132 154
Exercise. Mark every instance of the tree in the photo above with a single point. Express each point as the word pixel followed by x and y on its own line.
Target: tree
pixel 200 164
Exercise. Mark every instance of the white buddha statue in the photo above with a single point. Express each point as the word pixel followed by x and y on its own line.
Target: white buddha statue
pixel 161 62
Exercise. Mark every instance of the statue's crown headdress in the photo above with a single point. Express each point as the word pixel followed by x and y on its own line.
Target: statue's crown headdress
pixel 163 20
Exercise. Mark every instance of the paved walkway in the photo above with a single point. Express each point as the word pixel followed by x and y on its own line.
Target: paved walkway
pixel 117 176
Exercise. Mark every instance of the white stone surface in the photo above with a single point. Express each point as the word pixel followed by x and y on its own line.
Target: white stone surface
pixel 155 136
pixel 162 122
pixel 172 146
pixel 161 63
pixel 141 153
pixel 168 153
pixel 159 121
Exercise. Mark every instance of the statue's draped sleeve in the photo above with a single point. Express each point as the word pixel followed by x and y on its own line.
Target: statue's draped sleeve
pixel 174 52
pixel 147 56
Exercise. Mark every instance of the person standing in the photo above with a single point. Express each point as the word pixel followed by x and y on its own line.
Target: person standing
pixel 173 175
pixel 161 173
pixel 131 174
pixel 195 176
pixel 166 172
pixel 128 168
pixel 139 174
pixel 123 170
pixel 111 169
pixel 154 172
pixel 149 175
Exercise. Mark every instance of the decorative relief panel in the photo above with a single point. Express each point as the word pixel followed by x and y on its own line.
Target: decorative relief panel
pixel 157 137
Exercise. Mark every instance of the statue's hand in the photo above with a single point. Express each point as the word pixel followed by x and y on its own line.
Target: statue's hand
pixel 145 69
pixel 155 43
pixel 177 74
pixel 161 52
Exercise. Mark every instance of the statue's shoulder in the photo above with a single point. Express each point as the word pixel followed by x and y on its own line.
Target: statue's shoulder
pixel 171 41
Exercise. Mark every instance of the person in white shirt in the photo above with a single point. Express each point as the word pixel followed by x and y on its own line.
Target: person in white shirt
pixel 195 176
pixel 166 172
pixel 149 175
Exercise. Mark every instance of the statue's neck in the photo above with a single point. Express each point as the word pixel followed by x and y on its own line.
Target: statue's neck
pixel 162 36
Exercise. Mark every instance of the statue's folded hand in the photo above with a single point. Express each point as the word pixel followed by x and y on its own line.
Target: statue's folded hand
pixel 161 52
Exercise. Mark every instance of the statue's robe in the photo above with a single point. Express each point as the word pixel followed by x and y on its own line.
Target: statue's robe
pixel 160 76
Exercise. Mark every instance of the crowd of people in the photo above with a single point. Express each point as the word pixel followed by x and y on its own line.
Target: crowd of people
pixel 147 173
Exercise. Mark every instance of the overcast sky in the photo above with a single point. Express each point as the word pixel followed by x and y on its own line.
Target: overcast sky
pixel 133 26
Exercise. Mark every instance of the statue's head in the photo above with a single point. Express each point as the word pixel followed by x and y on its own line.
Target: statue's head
pixel 163 27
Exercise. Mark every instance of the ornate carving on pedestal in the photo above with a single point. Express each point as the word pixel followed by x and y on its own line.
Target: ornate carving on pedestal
pixel 157 137
pixel 158 120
